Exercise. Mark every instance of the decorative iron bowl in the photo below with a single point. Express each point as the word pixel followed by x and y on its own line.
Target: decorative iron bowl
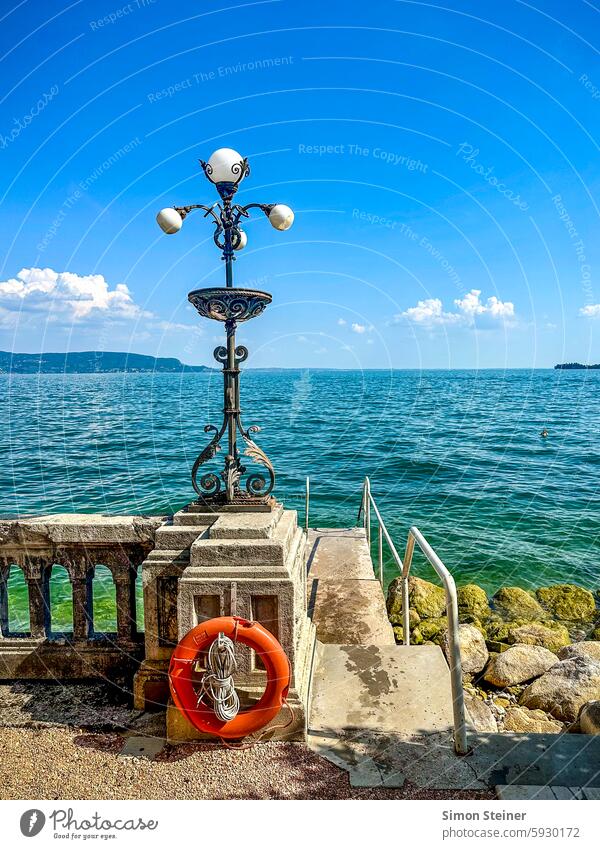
pixel 229 304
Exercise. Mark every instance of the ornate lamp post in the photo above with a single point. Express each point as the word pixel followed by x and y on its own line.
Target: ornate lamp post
pixel 225 170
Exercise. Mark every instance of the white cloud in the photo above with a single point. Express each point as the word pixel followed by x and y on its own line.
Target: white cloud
pixel 362 328
pixel 67 298
pixel 471 309
pixel 429 312
pixel 472 305
pixel 341 322
pixel 590 311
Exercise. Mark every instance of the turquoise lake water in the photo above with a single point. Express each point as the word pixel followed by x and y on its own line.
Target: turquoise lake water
pixel 457 453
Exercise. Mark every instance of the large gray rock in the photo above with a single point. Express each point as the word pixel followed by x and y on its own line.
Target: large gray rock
pixel 551 635
pixel 481 715
pixel 586 648
pixel 518 664
pixel 525 721
pixel 564 688
pixel 473 650
pixel 589 718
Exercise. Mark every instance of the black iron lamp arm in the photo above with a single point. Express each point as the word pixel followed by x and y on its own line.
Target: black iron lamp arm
pixel 208 210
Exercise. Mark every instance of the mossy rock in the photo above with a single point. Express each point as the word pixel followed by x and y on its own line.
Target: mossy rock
pixel 394 605
pixel 551 635
pixel 514 603
pixel 399 633
pixel 498 630
pixel 595 635
pixel 394 601
pixel 427 599
pixel 567 601
pixel 430 630
pixel 473 601
pixel 413 618
pixel 496 646
pixel 468 619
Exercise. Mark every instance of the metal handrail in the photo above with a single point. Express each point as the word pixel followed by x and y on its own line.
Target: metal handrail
pixel 306 504
pixel 414 535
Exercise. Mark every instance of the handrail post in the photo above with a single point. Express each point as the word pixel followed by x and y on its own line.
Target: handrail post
pixel 408 556
pixel 306 504
pixel 458 700
pixel 380 553
pixel 368 510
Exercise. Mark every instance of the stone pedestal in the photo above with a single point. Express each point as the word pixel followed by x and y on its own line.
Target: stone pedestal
pixel 239 561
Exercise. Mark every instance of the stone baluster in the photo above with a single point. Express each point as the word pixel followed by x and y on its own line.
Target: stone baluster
pixel 125 609
pixel 82 607
pixel 4 575
pixel 39 605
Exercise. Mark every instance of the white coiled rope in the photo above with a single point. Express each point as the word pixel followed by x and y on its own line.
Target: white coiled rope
pixel 217 683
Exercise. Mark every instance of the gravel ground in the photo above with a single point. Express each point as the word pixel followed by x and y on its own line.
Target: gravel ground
pixel 63 742
pixel 62 763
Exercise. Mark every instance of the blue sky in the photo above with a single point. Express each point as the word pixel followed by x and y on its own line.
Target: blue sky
pixel 442 161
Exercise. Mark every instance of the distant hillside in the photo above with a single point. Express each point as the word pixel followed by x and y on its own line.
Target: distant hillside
pixel 90 362
pixel 576 366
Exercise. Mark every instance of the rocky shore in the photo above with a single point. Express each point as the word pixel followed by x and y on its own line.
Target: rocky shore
pixel 530 659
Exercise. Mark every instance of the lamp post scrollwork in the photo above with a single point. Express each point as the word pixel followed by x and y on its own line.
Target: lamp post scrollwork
pixel 231 305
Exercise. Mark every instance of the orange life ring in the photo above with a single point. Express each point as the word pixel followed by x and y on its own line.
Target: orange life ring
pixel 182 679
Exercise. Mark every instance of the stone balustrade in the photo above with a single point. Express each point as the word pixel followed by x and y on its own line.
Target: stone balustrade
pixel 79 543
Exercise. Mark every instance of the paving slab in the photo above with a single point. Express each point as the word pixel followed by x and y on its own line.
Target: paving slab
pixel 546 791
pixel 142 747
pixel 562 760
pixel 401 689
pixel 388 760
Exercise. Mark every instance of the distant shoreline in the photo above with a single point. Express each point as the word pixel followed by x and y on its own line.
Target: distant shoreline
pixel 115 362
pixel 576 366
pixel 92 362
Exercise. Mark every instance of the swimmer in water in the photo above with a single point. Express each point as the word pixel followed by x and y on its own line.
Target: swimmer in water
pixel 544 433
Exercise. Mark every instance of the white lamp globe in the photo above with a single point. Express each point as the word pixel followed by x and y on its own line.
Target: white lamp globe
pixel 224 166
pixel 281 217
pixel 242 241
pixel 169 220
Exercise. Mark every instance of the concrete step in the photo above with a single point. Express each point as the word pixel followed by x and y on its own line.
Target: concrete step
pixel 350 612
pixel 345 601
pixel 396 689
pixel 339 554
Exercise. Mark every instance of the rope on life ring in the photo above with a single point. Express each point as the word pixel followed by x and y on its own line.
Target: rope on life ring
pixel 211 703
pixel 216 684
